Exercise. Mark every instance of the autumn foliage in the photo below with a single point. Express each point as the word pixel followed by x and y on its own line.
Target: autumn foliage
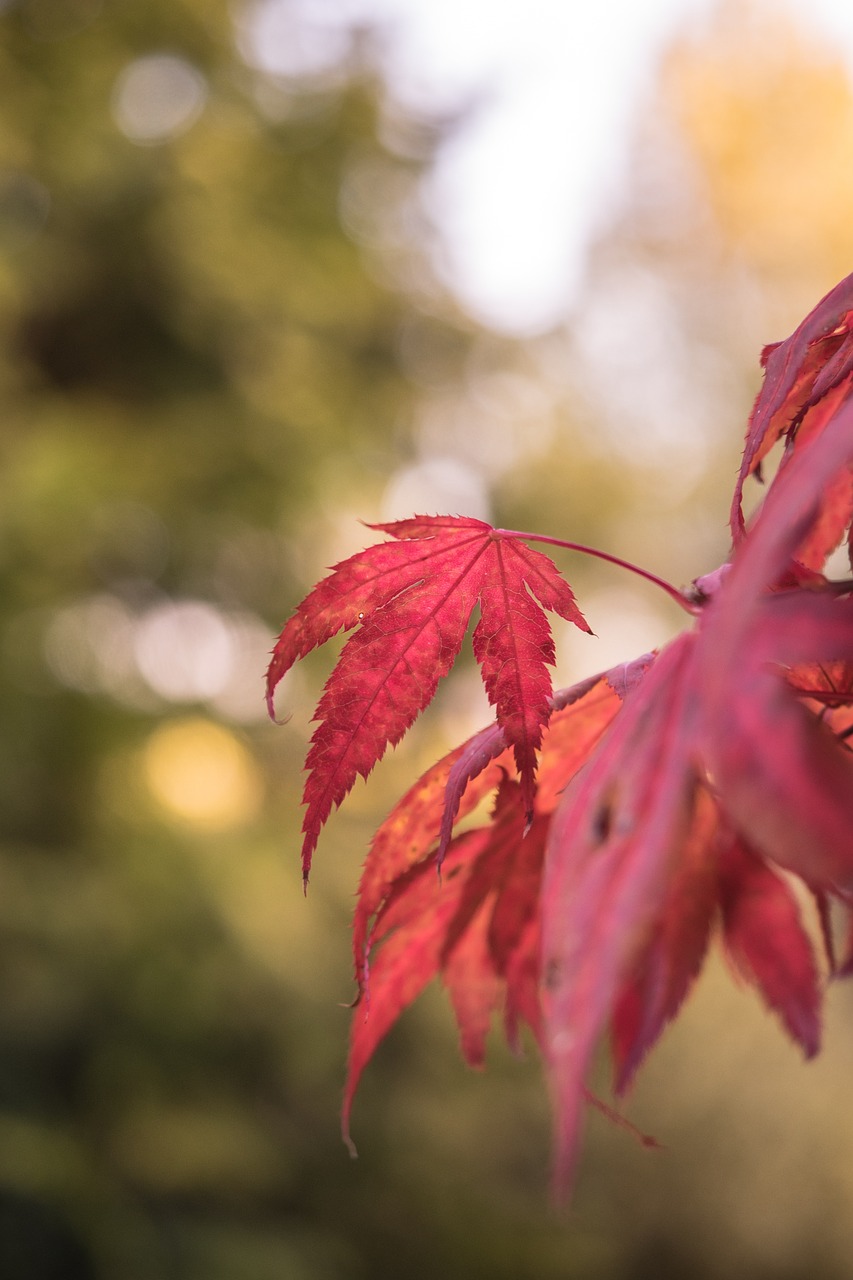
pixel 700 792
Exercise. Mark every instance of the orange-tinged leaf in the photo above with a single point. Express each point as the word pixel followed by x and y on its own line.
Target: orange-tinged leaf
pixel 407 837
pixel 426 927
pixel 522 972
pixel 412 930
pixel 421 824
pixel 566 744
pixel 475 988
pixel 829 683
pixel 574 730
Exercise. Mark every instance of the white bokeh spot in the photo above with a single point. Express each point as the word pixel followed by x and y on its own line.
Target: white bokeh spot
pixel 158 97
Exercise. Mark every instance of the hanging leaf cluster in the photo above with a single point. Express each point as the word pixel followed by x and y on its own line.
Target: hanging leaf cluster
pixel 636 818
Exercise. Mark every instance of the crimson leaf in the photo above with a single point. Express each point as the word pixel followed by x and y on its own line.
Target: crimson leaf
pixel 414 598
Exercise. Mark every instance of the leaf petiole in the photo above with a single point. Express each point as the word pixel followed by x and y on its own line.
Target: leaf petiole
pixel 689 606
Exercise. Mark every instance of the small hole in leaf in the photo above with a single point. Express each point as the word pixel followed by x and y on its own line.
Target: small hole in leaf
pixel 601 824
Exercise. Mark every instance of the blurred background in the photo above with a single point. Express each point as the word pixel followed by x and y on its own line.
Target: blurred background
pixel 268 268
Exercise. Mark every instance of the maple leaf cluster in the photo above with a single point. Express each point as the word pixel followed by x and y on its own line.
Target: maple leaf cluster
pixel 700 791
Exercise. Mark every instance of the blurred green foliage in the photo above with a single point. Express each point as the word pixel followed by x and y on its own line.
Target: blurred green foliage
pixel 220 338
pixel 195 359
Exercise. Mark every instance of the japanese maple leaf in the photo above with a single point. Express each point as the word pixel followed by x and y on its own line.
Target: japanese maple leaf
pixel 799 375
pixel 413 599
pixel 419 829
pixel 472 927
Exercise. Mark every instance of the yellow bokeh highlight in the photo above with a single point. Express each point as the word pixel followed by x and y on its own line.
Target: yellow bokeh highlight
pixel 201 774
pixel 767 115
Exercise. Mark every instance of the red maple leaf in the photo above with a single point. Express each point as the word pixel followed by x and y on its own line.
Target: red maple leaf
pixel 637 816
pixel 799 374
pixel 414 598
